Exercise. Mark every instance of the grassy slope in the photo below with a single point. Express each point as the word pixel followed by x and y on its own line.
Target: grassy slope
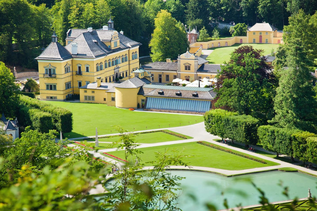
pixel 200 155
pixel 86 117
pixel 222 54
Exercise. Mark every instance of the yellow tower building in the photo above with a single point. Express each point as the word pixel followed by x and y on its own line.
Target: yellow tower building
pixel 89 54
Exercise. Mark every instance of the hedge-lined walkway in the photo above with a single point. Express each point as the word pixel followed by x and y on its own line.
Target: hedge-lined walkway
pixel 197 131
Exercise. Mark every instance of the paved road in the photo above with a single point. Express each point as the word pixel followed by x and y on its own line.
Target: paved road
pixel 198 132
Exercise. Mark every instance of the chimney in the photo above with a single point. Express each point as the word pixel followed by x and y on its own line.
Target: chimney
pixel 121 32
pixel 98 81
pixel 168 60
pixel 74 48
pixel 89 29
pixel 105 28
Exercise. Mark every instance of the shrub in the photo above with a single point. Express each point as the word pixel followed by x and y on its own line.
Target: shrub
pixel 62 118
pixel 311 152
pixel 39 120
pixel 241 128
pixel 300 146
pixel 276 139
pixel 29 94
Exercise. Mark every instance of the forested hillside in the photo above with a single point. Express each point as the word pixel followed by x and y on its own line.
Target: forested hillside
pixel 26 25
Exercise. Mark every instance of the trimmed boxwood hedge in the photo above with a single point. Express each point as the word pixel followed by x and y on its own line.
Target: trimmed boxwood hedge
pixel 29 94
pixel 39 120
pixel 226 124
pixel 61 118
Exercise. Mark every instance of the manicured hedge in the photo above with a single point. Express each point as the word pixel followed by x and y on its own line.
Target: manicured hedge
pixel 39 120
pixel 312 149
pixel 295 143
pixel 300 146
pixel 62 118
pixel 276 139
pixel 214 121
pixel 241 128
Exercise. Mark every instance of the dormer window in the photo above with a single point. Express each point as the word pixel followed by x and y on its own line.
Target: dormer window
pixel 115 44
pixel 195 94
pixel 161 92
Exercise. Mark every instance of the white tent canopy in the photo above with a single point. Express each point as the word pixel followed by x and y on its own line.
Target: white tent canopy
pixel 177 80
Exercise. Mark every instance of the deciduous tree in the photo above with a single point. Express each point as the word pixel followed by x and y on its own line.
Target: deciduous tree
pixel 168 39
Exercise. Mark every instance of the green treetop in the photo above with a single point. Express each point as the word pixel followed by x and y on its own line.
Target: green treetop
pixel 239 29
pixel 168 39
pixel 294 104
pixel 246 85
pixel 203 35
pixel 8 92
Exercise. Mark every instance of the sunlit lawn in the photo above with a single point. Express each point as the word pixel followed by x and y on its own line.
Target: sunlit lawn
pixel 143 138
pixel 199 155
pixel 87 117
pixel 222 54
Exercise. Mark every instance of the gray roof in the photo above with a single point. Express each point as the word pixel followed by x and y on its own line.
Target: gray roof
pixel 209 68
pixel 10 126
pixel 89 46
pixel 168 66
pixel 105 86
pixel 201 60
pixel 54 51
pixel 269 58
pixel 131 83
pixel 170 92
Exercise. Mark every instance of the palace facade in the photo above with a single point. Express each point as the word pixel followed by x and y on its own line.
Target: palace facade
pixel 89 54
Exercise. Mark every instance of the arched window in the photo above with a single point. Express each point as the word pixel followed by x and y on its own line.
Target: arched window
pixel 101 66
pixel 122 59
pixel 116 61
pixel 119 60
pixel 113 64
pixel 133 56
pixel 126 57
pixel 109 63
pixel 97 67
pixel 106 64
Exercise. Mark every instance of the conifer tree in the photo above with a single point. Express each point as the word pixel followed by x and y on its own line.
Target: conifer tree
pixel 294 103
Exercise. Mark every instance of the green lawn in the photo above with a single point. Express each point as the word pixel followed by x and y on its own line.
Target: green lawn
pixel 143 138
pixel 222 54
pixel 88 116
pixel 199 155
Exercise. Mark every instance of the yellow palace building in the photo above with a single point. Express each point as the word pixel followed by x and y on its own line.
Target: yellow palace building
pixel 89 54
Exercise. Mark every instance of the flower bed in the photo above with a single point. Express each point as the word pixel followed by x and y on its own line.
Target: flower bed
pixel 131 109
pixel 115 157
pixel 103 152
pixel 231 151
pixel 175 134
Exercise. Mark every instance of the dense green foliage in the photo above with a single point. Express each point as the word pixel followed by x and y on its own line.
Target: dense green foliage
pixel 241 128
pixel 203 35
pixel 61 118
pixel 246 84
pixel 294 143
pixel 214 122
pixel 8 92
pixel 21 39
pixel 168 39
pixel 31 86
pixel 295 104
pixel 276 139
pixel 239 29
